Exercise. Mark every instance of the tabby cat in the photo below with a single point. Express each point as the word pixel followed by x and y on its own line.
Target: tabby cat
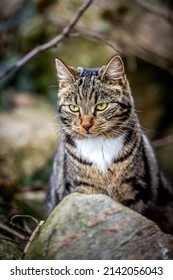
pixel 102 147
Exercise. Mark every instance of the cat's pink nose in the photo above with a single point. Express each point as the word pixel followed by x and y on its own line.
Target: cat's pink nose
pixel 87 123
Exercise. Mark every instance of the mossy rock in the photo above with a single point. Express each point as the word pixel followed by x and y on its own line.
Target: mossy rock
pixel 95 227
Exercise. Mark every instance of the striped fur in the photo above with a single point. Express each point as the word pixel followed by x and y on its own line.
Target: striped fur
pixel 106 151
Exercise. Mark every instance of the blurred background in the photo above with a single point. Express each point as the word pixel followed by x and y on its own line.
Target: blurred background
pixel 141 31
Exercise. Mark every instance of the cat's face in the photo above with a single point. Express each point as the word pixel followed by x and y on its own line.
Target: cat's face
pixel 94 102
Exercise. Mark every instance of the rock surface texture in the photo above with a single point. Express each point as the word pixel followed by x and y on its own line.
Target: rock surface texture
pixel 96 227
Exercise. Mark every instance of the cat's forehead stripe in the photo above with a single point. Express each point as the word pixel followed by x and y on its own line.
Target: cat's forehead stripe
pixel 86 82
pixel 89 72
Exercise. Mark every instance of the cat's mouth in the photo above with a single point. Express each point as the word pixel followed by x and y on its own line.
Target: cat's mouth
pixel 88 134
pixel 87 131
pixel 81 134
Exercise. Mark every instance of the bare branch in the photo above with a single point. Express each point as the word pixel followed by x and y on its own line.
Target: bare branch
pixel 24 217
pixel 96 37
pixel 163 141
pixel 50 44
pixel 39 225
pixel 160 11
pixel 11 231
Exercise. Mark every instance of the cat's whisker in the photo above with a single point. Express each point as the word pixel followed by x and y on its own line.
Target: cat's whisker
pixel 53 86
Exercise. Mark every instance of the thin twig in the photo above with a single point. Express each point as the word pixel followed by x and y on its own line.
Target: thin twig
pixel 96 37
pixel 81 32
pixel 24 217
pixel 32 237
pixel 50 44
pixel 160 11
pixel 11 231
pixel 163 141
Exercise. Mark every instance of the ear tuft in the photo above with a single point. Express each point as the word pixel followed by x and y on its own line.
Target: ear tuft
pixel 66 74
pixel 114 70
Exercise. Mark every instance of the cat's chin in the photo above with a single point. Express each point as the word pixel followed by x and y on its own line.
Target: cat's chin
pixel 90 134
pixel 86 135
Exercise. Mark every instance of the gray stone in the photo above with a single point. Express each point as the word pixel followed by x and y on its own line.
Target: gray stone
pixel 96 227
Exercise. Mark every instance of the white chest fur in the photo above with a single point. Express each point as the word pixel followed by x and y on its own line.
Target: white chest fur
pixel 100 151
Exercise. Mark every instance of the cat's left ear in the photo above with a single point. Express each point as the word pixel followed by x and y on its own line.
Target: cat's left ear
pixel 66 73
pixel 114 71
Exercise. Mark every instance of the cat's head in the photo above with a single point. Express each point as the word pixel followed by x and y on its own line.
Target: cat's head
pixel 94 102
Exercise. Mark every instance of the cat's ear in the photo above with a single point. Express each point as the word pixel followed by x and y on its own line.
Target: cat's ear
pixel 66 74
pixel 113 71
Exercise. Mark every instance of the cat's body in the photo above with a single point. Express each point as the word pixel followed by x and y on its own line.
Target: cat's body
pixel 102 147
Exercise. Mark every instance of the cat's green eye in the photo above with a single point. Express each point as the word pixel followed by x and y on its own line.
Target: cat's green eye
pixel 101 106
pixel 74 108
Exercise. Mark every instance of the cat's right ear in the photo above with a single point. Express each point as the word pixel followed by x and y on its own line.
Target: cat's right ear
pixel 66 74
